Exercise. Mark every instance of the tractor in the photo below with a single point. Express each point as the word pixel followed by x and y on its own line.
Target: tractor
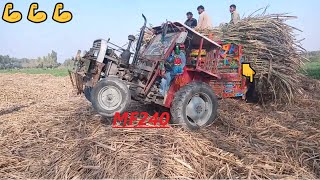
pixel 212 71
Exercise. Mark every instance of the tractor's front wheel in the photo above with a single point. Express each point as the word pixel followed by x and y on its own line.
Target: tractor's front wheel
pixel 87 92
pixel 110 96
pixel 194 106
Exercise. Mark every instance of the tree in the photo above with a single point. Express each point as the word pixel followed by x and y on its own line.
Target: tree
pixel 49 61
pixel 54 57
pixel 68 63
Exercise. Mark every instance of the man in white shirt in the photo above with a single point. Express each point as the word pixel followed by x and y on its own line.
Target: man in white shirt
pixel 235 17
pixel 204 21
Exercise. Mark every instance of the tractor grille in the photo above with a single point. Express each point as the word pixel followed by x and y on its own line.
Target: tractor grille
pixel 96 44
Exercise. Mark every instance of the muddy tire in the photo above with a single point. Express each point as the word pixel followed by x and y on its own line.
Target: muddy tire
pixel 194 106
pixel 87 93
pixel 110 96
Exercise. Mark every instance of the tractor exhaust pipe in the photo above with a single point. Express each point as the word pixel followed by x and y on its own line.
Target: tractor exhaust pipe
pixel 139 43
pixel 126 54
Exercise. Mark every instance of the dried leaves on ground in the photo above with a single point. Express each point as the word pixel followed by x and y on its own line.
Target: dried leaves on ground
pixel 47 132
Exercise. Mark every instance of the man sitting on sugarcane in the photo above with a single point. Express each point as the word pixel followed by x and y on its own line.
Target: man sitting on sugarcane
pixel 235 17
pixel 204 21
pixel 173 66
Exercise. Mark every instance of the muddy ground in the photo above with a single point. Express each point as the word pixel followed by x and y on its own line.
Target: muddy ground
pixel 47 131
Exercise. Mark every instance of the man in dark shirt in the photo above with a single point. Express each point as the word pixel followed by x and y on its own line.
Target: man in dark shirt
pixel 191 22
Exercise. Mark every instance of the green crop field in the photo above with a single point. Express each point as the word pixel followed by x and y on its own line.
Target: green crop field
pixel 312 68
pixel 55 72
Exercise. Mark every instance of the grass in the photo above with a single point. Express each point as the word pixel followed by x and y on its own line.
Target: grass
pixel 58 72
pixel 312 68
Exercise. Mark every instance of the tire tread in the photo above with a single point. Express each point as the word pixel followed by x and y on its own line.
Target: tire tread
pixel 180 99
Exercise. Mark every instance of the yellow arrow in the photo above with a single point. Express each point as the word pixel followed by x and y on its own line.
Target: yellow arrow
pixel 247 71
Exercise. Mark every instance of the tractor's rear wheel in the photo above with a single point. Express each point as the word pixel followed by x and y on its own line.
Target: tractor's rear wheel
pixel 110 96
pixel 194 106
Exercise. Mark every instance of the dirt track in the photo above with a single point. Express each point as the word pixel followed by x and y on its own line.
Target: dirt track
pixel 46 131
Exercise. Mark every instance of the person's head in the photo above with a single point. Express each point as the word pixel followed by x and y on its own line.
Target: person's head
pixel 233 8
pixel 189 15
pixel 200 9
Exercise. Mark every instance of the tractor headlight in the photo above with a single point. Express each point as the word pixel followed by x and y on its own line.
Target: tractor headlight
pixel 96 53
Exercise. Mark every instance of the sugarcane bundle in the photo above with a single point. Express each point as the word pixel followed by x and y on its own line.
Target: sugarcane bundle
pixel 271 47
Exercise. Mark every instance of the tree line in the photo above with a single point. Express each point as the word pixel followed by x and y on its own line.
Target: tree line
pixel 49 61
pixel 313 55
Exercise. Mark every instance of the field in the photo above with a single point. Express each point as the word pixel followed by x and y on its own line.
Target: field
pixel 55 72
pixel 312 68
pixel 48 132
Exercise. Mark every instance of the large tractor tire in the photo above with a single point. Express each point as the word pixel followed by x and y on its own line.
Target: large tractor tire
pixel 194 106
pixel 87 93
pixel 110 96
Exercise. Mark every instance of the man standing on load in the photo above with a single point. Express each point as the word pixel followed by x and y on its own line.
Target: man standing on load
pixel 204 21
pixel 235 17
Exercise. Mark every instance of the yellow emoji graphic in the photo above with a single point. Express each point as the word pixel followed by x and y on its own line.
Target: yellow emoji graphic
pixel 13 17
pixel 61 17
pixel 36 17
pixel 247 71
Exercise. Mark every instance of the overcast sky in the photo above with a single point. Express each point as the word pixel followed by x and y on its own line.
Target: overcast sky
pixel 118 18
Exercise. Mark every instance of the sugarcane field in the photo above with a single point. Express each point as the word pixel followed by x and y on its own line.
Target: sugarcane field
pixel 146 90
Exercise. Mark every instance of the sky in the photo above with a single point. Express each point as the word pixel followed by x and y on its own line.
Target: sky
pixel 116 19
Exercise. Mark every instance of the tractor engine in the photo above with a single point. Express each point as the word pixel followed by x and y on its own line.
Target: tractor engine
pixel 102 61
